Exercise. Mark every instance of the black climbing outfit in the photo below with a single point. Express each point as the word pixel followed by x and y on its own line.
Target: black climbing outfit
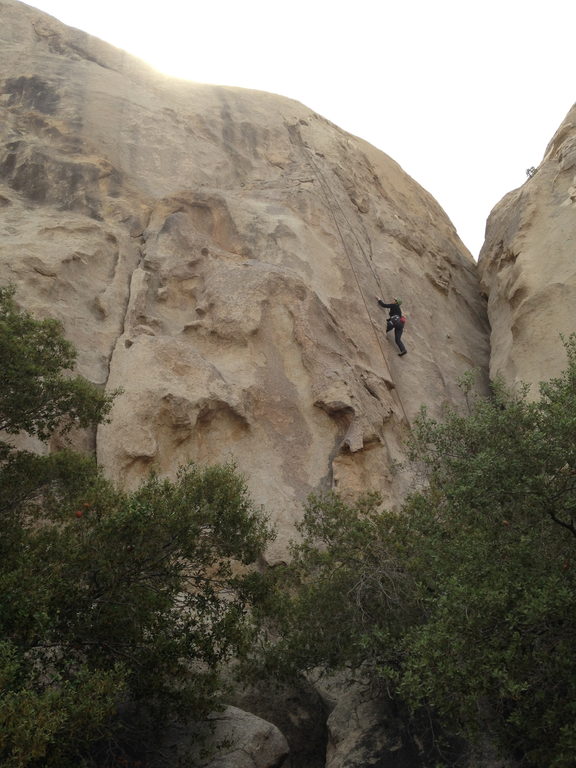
pixel 394 321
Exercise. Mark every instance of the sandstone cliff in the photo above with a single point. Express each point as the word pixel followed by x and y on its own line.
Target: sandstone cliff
pixel 216 252
pixel 528 267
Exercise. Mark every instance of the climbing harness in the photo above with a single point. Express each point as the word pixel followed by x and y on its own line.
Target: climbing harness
pixel 295 137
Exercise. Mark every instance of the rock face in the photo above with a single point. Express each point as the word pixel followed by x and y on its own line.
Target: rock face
pixel 363 729
pixel 230 739
pixel 216 252
pixel 528 268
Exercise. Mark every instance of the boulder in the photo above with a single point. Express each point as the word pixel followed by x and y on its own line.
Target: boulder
pixel 363 727
pixel 229 739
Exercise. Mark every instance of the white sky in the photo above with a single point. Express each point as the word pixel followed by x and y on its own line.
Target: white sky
pixel 465 96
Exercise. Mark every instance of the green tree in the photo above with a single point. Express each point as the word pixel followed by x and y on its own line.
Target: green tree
pixel 497 525
pixel 35 395
pixel 345 596
pixel 110 599
pixel 464 601
pixel 118 610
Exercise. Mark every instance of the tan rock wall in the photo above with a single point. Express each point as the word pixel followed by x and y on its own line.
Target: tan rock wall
pixel 217 252
pixel 528 266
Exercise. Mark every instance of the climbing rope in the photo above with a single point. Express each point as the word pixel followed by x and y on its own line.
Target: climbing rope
pixel 325 187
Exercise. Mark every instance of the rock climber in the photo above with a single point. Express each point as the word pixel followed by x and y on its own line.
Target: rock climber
pixel 395 320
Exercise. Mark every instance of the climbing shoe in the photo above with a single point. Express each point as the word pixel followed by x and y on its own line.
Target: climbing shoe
pixel 402 353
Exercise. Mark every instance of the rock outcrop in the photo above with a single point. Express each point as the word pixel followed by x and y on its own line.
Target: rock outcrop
pixel 363 728
pixel 231 738
pixel 216 252
pixel 528 268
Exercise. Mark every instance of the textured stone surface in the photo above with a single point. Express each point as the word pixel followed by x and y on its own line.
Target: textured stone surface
pixel 229 739
pixel 296 710
pixel 363 728
pixel 528 267
pixel 217 252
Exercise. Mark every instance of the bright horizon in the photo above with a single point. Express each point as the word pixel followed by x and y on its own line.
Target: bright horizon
pixel 464 97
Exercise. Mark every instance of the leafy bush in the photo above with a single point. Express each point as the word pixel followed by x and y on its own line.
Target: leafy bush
pixel 35 395
pixel 110 598
pixel 464 601
pixel 117 610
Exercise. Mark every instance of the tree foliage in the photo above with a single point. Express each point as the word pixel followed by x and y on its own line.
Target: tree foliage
pixel 121 598
pixel 464 601
pixel 118 610
pixel 35 394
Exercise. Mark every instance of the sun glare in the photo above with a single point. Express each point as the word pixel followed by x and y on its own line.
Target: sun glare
pixel 440 90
